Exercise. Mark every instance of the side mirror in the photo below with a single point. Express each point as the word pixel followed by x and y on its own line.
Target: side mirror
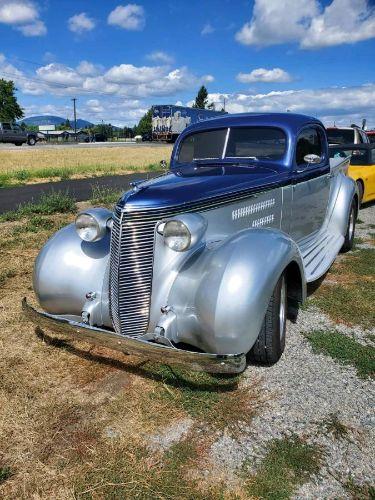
pixel 163 165
pixel 312 159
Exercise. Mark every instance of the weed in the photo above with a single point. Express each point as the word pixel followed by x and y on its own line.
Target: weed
pixel 5 473
pixel 104 195
pixel 359 221
pixel 344 349
pixel 5 275
pixel 288 463
pixel 334 425
pixel 50 203
pixel 22 175
pixel 360 491
pixel 5 180
pixel 35 224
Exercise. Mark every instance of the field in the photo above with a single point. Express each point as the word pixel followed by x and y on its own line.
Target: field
pixel 42 165
pixel 84 422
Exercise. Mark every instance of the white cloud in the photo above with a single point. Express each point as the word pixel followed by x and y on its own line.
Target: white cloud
pixel 308 23
pixel 129 17
pixel 22 15
pixel 17 12
pixel 79 23
pixel 59 74
pixel 160 56
pixel 87 68
pixel 35 29
pixel 207 29
pixel 344 21
pixel 208 78
pixel 340 102
pixel 264 75
pixel 129 74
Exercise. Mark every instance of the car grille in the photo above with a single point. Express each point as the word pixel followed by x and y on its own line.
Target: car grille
pixel 131 264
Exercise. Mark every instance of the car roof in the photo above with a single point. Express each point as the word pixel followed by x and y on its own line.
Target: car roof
pixel 341 128
pixel 292 121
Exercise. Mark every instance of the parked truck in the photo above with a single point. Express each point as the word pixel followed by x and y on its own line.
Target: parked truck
pixel 13 133
pixel 168 121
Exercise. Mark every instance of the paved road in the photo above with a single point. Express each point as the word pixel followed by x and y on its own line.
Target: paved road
pixel 42 146
pixel 80 189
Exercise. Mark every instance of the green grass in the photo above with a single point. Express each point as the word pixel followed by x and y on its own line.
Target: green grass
pixel 345 350
pixel 104 195
pixel 5 473
pixel 352 299
pixel 289 463
pixel 55 202
pixel 19 177
pixel 35 224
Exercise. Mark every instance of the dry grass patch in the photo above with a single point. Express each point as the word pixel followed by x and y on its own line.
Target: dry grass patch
pixel 75 420
pixel 41 165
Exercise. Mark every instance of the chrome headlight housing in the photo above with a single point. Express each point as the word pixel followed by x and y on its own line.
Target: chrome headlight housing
pixel 93 224
pixel 182 232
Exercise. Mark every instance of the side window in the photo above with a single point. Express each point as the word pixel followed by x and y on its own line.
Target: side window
pixel 373 156
pixel 308 143
pixel 6 126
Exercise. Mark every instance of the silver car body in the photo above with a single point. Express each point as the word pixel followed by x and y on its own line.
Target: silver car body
pixel 213 296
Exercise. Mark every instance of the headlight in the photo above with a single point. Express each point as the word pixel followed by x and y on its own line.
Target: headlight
pixel 92 225
pixel 183 232
pixel 176 235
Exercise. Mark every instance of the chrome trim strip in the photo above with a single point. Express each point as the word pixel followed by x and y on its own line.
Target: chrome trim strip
pixel 197 361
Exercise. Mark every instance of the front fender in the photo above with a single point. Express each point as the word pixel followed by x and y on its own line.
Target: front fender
pixel 220 295
pixel 68 268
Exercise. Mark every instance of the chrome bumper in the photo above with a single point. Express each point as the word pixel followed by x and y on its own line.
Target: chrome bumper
pixel 212 363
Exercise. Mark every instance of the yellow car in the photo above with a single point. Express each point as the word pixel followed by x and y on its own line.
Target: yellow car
pixel 362 167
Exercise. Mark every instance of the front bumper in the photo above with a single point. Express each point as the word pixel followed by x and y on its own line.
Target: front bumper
pixel 198 361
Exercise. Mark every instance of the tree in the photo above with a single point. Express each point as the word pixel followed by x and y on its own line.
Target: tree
pixel 145 124
pixel 10 110
pixel 201 101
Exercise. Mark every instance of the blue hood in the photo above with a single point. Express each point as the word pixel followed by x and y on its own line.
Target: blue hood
pixel 192 184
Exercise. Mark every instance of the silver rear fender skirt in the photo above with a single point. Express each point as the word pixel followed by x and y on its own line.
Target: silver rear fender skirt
pixel 197 361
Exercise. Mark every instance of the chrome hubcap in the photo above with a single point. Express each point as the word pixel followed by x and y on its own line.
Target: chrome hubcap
pixel 282 308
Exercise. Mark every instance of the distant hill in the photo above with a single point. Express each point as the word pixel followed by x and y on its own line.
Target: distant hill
pixel 53 120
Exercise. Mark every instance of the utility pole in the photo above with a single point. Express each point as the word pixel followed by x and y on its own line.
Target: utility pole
pixel 75 118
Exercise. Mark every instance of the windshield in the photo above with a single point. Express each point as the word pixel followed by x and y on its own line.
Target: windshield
pixel 245 142
pixel 358 156
pixel 340 136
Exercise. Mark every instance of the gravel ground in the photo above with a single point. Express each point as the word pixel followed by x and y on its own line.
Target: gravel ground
pixel 304 390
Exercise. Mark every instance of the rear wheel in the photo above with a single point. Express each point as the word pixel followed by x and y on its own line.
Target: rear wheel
pixel 18 143
pixel 270 343
pixel 360 192
pixel 349 236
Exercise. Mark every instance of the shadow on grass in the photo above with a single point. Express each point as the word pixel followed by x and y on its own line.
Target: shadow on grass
pixel 175 377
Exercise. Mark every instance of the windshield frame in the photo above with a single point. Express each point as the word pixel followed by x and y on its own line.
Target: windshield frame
pixel 231 159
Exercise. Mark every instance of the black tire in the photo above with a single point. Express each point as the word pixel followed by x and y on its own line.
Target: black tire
pixel 360 192
pixel 270 343
pixel 18 143
pixel 31 141
pixel 350 229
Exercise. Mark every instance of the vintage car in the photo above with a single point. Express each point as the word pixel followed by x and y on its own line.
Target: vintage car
pixel 362 167
pixel 202 265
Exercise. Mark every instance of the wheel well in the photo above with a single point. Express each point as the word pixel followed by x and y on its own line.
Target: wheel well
pixel 294 288
pixel 294 281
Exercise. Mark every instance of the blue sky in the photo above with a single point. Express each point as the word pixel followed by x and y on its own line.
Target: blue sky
pixel 310 56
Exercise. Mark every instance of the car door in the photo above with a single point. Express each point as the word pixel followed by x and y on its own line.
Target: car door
pixel 7 132
pixel 371 173
pixel 311 183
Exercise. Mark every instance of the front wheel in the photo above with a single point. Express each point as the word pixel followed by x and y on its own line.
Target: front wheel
pixel 270 343
pixel 31 141
pixel 349 236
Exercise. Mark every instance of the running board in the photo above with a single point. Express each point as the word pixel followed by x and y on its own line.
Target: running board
pixel 318 253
